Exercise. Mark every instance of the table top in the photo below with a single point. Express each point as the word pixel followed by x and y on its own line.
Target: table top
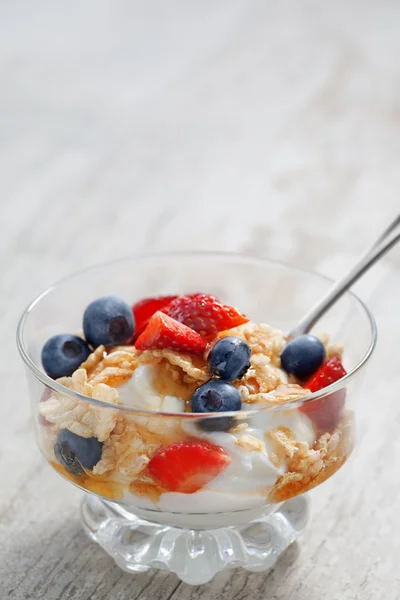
pixel 267 128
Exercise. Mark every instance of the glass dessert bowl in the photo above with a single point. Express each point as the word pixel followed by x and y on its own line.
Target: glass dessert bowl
pixel 195 430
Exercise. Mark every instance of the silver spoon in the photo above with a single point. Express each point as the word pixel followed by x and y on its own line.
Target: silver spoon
pixel 385 241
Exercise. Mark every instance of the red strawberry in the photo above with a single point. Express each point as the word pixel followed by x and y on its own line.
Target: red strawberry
pixel 145 309
pixel 325 413
pixel 188 466
pixel 164 332
pixel 330 372
pixel 204 313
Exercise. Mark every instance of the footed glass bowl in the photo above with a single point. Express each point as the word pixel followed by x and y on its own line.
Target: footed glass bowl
pixel 244 513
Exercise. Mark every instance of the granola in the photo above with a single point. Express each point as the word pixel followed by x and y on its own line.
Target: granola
pixel 133 442
pixel 81 417
pixel 194 367
pixel 262 339
pixel 308 467
pixel 263 384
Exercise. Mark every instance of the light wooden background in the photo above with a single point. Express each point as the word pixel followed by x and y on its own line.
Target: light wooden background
pixel 267 127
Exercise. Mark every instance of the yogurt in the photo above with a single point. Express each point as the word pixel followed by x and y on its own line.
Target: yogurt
pixel 139 392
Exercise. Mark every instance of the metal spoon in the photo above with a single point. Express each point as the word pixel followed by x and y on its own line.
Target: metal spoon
pixel 385 241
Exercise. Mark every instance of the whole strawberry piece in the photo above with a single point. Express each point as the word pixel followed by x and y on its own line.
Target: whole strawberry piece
pixel 145 309
pixel 186 467
pixel 326 412
pixel 204 313
pixel 164 332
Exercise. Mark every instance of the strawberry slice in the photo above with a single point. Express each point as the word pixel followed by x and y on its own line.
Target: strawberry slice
pixel 186 467
pixel 325 413
pixel 164 332
pixel 330 372
pixel 145 309
pixel 204 313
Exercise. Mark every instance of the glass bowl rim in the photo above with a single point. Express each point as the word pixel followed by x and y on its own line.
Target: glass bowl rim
pixel 289 404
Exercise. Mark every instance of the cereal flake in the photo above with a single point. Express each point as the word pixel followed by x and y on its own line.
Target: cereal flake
pixel 80 417
pixel 251 443
pixel 261 338
pixel 193 365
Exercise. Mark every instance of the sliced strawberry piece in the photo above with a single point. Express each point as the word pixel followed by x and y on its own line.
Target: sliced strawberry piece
pixel 164 332
pixel 186 467
pixel 204 313
pixel 325 413
pixel 331 371
pixel 145 309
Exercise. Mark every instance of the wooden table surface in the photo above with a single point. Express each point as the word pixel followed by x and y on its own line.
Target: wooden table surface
pixel 271 128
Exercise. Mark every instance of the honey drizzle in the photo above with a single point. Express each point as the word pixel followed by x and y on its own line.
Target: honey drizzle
pixel 92 483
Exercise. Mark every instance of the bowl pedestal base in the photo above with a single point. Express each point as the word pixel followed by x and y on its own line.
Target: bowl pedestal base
pixel 197 555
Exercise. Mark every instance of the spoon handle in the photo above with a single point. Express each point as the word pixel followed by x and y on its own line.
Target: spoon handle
pixel 385 241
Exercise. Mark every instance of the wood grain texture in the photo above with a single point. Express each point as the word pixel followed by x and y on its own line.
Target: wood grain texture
pixel 270 128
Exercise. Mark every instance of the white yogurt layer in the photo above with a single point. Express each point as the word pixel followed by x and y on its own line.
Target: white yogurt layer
pixel 139 392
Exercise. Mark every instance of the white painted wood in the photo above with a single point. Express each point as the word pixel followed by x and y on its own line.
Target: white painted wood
pixel 271 128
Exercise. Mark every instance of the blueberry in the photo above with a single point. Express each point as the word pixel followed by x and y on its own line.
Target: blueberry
pixel 303 355
pixel 108 321
pixel 229 358
pixel 216 396
pixel 75 452
pixel 62 354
